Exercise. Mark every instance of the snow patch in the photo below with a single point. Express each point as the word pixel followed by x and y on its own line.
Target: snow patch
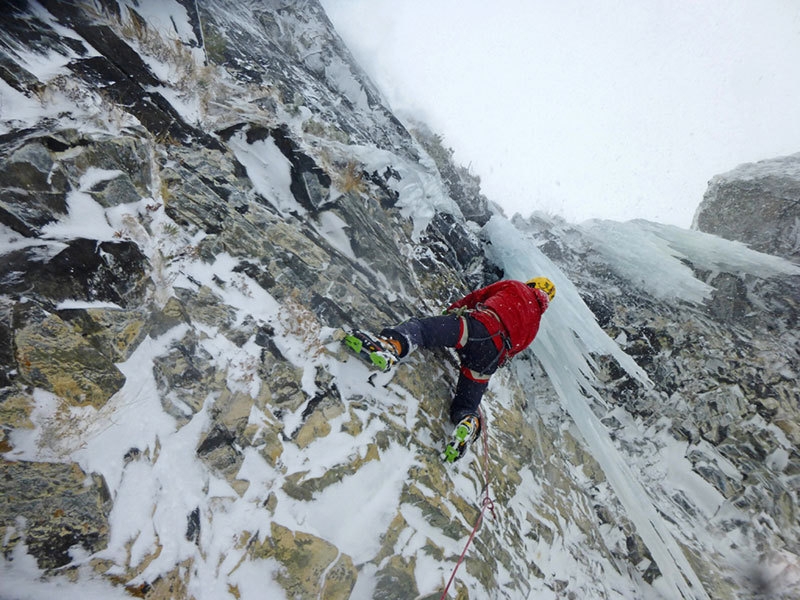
pixel 269 170
pixel 85 219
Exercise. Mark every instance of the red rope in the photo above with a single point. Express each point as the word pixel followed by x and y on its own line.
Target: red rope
pixel 485 503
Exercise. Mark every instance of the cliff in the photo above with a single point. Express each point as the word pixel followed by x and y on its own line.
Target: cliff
pixel 194 197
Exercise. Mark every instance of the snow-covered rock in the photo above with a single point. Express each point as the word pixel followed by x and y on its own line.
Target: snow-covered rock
pixel 758 204
pixel 194 196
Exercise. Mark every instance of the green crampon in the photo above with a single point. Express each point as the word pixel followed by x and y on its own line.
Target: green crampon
pixel 455 449
pixel 450 454
pixel 356 344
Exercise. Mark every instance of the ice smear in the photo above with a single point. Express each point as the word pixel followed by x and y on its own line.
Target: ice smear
pixel 17 109
pixel 132 418
pixel 340 75
pixel 652 255
pixel 269 170
pixel 36 444
pixel 419 188
pixel 167 16
pixel 44 66
pixel 334 230
pixel 569 332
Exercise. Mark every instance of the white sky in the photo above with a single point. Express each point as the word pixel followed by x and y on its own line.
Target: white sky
pixel 614 109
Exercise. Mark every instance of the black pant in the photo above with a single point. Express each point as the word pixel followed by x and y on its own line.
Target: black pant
pixel 479 354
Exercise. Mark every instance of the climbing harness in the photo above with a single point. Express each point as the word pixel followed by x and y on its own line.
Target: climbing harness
pixel 502 333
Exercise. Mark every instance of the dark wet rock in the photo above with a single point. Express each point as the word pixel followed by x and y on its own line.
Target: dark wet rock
pixel 34 189
pixel 84 269
pixel 53 507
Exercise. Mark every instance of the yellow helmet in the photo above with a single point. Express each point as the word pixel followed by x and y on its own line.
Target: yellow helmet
pixel 544 284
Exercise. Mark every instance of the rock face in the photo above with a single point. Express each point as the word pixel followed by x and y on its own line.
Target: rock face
pixel 758 204
pixel 54 508
pixel 191 208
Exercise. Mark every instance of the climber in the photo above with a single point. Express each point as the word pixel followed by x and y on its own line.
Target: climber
pixel 486 327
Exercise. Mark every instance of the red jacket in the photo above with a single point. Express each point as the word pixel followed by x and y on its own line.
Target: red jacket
pixel 518 307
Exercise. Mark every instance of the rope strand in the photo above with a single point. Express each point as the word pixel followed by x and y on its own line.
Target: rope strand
pixel 487 502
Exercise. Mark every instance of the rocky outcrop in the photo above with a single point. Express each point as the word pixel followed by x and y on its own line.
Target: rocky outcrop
pixel 308 560
pixel 54 508
pixel 758 204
